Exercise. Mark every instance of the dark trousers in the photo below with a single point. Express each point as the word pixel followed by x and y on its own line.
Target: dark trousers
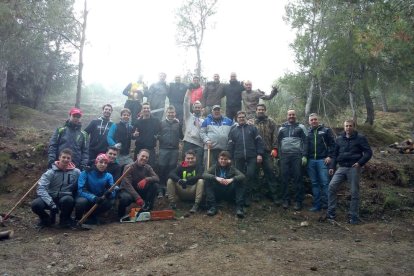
pixel 83 205
pixel 269 174
pixel 167 161
pixel 248 168
pixel 291 167
pixel 65 205
pixel 148 195
pixel 199 151
pixel 233 192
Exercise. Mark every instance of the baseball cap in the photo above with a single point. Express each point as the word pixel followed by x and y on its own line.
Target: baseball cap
pixel 74 111
pixel 216 106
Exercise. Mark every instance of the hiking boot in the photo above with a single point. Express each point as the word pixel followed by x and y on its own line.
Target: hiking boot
pixel 194 209
pixel 330 216
pixel 240 212
pixel 314 209
pixel 285 204
pixel 298 206
pixel 43 223
pixel 66 223
pixel 212 211
pixel 173 206
pixel 354 220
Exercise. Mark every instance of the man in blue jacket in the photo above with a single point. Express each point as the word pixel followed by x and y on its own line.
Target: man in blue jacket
pixel 352 151
pixel 120 135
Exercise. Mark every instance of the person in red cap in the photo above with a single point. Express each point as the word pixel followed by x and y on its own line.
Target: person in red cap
pixel 70 136
pixel 93 185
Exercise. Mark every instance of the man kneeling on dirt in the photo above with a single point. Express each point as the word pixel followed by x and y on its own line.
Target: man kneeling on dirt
pixel 139 186
pixel 224 181
pixel 55 191
pixel 93 185
pixel 186 182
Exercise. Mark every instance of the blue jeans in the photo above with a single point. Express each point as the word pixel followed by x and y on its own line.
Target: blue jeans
pixel 352 175
pixel 318 174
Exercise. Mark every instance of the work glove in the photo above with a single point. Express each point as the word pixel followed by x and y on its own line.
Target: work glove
pixel 108 194
pixel 274 153
pixel 304 161
pixel 139 202
pixel 183 183
pixel 141 184
pixel 99 200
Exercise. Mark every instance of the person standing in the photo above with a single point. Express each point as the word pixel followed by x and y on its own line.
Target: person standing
pixel 156 96
pixel 215 134
pixel 191 129
pixel 73 137
pixel 196 90
pixel 233 91
pixel 98 131
pixel 176 94
pixel 351 152
pixel 268 128
pixel 139 186
pixel 169 139
pixel 120 135
pixel 251 98
pixel 145 131
pixel 224 181
pixel 321 143
pixel 186 182
pixel 135 92
pixel 292 145
pixel 246 149
pixel 212 95
pixel 55 191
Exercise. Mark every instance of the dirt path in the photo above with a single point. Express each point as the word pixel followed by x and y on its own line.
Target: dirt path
pixel 269 241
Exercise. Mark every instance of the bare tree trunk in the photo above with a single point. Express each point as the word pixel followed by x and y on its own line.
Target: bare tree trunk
pixel 367 96
pixel 383 99
pixel 351 92
pixel 82 44
pixel 4 104
pixel 309 97
pixel 198 62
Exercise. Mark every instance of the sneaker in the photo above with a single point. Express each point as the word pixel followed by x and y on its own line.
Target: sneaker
pixel 240 212
pixel 173 206
pixel 330 217
pixel 212 211
pixel 314 209
pixel 354 220
pixel 285 204
pixel 298 206
pixel 194 209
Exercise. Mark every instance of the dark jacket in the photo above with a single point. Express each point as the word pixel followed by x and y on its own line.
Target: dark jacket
pixel 70 136
pixel 98 131
pixel 176 94
pixel 245 142
pixel 321 142
pixel 267 128
pixel 183 171
pixel 213 92
pixel 156 94
pixel 136 174
pixel 148 130
pixel 115 170
pixel 224 172
pixel 170 134
pixel 291 140
pixel 349 151
pixel 120 133
pixel 233 92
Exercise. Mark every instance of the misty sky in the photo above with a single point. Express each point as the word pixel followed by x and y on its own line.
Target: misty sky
pixel 126 38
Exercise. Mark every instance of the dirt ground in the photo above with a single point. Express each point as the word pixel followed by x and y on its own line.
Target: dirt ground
pixel 269 241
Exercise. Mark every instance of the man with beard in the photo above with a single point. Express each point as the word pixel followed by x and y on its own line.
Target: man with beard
pixel 139 186
pixel 251 98
pixel 212 94
pixel 55 191
pixel 293 149
pixel 98 131
pixel 156 96
pixel 176 95
pixel 191 129
pixel 267 128
pixel 72 137
pixel 233 91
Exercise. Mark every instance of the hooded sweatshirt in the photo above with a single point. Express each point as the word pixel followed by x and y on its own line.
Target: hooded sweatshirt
pixel 98 131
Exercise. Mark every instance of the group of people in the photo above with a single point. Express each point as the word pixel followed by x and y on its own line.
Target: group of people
pixel 221 155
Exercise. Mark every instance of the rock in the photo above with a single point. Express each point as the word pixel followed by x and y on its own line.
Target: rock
pixel 313 268
pixel 304 224
pixel 194 246
pixel 49 267
pixel 357 240
pixel 27 155
pixel 53 264
pixel 272 238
